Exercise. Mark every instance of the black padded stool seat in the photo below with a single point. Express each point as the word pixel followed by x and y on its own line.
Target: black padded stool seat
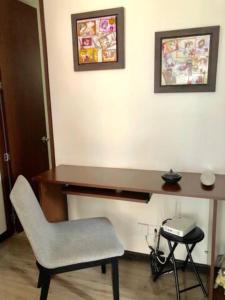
pixel 195 236
pixel 189 240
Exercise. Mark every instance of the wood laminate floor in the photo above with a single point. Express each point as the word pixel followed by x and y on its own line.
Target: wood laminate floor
pixel 18 278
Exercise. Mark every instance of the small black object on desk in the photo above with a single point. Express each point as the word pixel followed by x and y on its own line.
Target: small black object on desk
pixel 171 177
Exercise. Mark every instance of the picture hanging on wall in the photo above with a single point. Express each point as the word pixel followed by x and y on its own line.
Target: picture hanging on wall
pixel 98 39
pixel 186 60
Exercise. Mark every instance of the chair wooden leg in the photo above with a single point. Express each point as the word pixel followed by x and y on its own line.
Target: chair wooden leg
pixel 45 282
pixel 115 279
pixel 103 267
pixel 40 279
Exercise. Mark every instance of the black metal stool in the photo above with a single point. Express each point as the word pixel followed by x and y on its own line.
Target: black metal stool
pixel 190 240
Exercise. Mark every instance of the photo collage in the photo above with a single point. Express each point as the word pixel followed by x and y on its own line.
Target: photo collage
pixel 97 40
pixel 185 60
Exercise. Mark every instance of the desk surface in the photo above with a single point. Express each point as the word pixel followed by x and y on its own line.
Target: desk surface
pixel 145 181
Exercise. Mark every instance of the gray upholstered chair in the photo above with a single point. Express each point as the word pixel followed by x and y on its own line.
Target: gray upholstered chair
pixel 65 246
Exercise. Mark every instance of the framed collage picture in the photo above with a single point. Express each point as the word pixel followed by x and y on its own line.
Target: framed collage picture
pixel 186 60
pixel 98 39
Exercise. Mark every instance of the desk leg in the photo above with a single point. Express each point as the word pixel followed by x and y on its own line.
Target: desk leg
pixel 213 250
pixel 53 202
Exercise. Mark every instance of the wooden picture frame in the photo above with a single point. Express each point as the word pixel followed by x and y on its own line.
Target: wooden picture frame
pixel 186 60
pixel 98 39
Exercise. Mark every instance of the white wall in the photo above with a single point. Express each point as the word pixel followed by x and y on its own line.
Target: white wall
pixel 113 118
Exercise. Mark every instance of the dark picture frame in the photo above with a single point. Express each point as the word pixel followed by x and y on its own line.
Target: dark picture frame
pixel 114 59
pixel 208 56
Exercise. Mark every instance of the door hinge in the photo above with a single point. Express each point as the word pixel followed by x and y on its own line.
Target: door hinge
pixel 0 85
pixel 6 157
pixel 45 139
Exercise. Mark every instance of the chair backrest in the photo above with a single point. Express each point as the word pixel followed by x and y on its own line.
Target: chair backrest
pixel 38 230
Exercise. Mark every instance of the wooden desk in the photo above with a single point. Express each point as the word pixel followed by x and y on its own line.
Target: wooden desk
pixel 125 184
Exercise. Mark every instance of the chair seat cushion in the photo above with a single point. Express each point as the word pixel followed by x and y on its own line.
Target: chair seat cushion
pixel 81 241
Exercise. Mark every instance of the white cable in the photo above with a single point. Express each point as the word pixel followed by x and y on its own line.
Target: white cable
pixel 161 262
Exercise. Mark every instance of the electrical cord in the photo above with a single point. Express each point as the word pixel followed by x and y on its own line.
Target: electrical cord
pixel 155 251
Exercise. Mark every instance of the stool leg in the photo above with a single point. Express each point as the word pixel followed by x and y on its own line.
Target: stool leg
pixel 172 249
pixel 175 271
pixel 195 271
pixel 187 258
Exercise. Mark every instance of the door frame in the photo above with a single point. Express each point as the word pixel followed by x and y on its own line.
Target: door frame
pixel 47 84
pixel 5 170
